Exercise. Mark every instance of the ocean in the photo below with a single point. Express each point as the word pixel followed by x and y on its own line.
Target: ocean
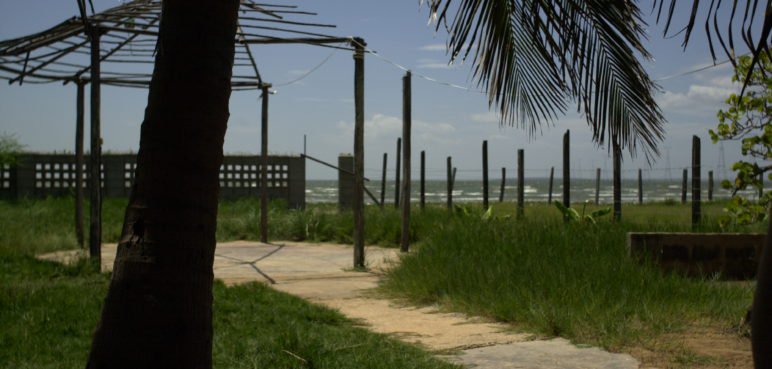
pixel 536 190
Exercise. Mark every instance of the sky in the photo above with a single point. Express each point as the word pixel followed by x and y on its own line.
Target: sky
pixel 447 121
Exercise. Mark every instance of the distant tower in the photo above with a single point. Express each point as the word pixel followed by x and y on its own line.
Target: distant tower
pixel 721 161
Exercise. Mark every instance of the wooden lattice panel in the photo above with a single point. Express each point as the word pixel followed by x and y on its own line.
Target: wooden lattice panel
pixel 248 176
pixel 128 174
pixel 5 177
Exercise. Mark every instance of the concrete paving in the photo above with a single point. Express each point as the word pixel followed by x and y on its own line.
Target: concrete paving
pixel 321 273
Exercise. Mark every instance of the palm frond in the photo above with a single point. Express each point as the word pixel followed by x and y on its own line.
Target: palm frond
pixel 534 56
pixel 725 37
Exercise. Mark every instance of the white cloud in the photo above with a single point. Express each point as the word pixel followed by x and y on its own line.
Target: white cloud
pixel 487 117
pixel 698 97
pixel 433 64
pixel 433 47
pixel 381 126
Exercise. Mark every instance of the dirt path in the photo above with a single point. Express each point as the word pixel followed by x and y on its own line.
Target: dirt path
pixel 320 273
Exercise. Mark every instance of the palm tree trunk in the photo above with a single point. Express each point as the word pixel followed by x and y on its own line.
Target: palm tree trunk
pixel 158 310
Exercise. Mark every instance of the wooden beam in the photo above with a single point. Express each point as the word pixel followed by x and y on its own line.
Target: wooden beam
pixel 79 125
pixel 485 174
pixel 359 152
pixel 95 159
pixel 264 165
pixel 696 181
pixel 406 128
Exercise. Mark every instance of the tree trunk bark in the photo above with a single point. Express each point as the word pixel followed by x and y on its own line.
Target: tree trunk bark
pixel 158 310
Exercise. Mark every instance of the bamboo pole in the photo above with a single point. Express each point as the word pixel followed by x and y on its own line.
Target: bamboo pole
pixel 710 185
pixel 503 183
pixel 640 186
pixel 683 186
pixel 423 179
pixel 617 152
pixel 549 192
pixel 696 181
pixel 450 183
pixel 79 125
pixel 406 128
pixel 383 180
pixel 397 183
pixel 359 152
pixel 597 186
pixel 485 174
pixel 264 165
pixel 520 183
pixel 95 159
pixel 567 169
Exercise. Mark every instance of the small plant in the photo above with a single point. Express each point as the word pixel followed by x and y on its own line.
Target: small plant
pixel 574 216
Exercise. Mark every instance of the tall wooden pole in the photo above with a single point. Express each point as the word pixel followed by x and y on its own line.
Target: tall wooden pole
pixel 423 179
pixel 503 183
pixel 383 179
pixel 406 128
pixel 617 152
pixel 485 174
pixel 640 186
pixel 397 182
pixel 359 152
pixel 264 166
pixel 567 169
pixel 696 181
pixel 95 159
pixel 520 182
pixel 79 125
pixel 549 191
pixel 683 186
pixel 597 186
pixel 450 183
pixel 710 185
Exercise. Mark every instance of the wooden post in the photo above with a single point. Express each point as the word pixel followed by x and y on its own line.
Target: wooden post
pixel 552 177
pixel 406 127
pixel 503 183
pixel 567 169
pixel 95 159
pixel 640 186
pixel 520 183
pixel 423 179
pixel 450 183
pixel 710 185
pixel 397 183
pixel 264 165
pixel 696 181
pixel 359 152
pixel 383 180
pixel 617 152
pixel 761 185
pixel 79 125
pixel 597 186
pixel 485 174
pixel 683 186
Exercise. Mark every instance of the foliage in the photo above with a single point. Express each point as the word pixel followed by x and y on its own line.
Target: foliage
pixel 748 120
pixel 533 57
pixel 9 147
pixel 572 215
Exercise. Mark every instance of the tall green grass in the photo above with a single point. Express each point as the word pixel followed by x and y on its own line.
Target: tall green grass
pixel 560 279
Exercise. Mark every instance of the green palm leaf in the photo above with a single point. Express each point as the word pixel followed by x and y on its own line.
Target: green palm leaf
pixel 535 56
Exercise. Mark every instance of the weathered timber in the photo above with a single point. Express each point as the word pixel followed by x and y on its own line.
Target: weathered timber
pixel 520 183
pixel 406 128
pixel 485 174
pixel 696 181
pixel 359 152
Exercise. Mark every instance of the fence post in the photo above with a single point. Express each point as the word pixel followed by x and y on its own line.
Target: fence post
pixel 696 181
pixel 567 169
pixel 383 180
pixel 397 181
pixel 640 186
pixel 552 177
pixel 264 166
pixel 423 179
pixel 597 186
pixel 520 182
pixel 485 174
pixel 450 183
pixel 359 153
pixel 683 186
pixel 617 152
pixel 79 124
pixel 503 183
pixel 95 159
pixel 406 128
pixel 710 185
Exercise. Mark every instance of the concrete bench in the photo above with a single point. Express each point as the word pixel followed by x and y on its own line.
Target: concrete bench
pixel 729 255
